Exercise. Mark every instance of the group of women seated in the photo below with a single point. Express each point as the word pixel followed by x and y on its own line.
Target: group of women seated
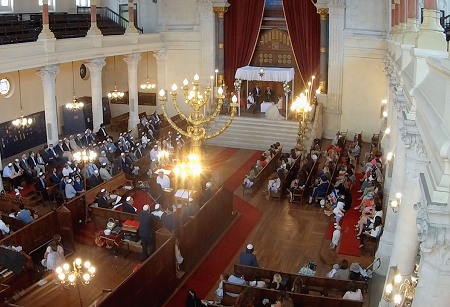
pixel 260 164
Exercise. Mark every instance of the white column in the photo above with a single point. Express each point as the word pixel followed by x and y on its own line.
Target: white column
pixel 131 29
pixel 48 75
pixel 160 71
pixel 333 110
pixel 207 44
pixel 132 61
pixel 45 34
pixel 94 30
pixel 95 68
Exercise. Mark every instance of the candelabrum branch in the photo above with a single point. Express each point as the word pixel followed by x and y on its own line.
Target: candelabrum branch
pixel 216 112
pixel 169 120
pixel 224 127
pixel 177 108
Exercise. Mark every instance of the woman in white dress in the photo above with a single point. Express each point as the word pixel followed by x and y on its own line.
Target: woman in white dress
pixel 54 256
pixel 273 113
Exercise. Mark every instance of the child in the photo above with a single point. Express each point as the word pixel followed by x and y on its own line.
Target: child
pixel 336 237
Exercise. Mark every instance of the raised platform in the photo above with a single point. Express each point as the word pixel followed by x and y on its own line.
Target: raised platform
pixel 254 133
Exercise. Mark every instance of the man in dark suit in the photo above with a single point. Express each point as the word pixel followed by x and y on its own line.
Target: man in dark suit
pixel 41 186
pixel 95 179
pixel 127 205
pixel 146 232
pixel 247 257
pixel 102 134
pixel 102 200
pixel 257 93
pixel 172 221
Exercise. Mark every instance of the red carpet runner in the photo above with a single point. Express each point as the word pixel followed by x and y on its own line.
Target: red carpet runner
pixel 348 245
pixel 215 263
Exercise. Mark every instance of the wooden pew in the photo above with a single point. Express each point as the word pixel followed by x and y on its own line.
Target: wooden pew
pixel 262 176
pixel 157 274
pixel 291 174
pixel 300 194
pixel 14 224
pixel 303 300
pixel 197 236
pixel 120 123
pixel 101 216
pixel 317 284
pixel 117 182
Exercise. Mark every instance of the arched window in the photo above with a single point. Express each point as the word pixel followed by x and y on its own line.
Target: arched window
pixel 83 2
pixel 6 6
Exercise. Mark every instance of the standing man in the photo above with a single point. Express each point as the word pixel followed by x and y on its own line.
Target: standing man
pixel 268 95
pixel 146 232
pixel 247 257
pixel 102 134
pixel 257 93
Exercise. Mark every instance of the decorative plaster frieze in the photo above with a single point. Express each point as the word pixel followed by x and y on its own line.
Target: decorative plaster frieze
pixel 161 54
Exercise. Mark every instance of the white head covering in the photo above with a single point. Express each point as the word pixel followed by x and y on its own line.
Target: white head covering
pixel 145 208
pixel 157 206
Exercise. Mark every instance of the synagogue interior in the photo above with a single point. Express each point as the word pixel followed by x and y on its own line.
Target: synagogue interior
pixel 225 153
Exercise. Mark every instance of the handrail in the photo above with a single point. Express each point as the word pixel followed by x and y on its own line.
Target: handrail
pixel 106 12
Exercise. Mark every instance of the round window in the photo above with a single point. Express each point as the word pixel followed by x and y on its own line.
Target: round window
pixel 5 86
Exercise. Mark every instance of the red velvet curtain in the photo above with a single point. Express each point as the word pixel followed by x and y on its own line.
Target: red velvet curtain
pixel 241 25
pixel 303 24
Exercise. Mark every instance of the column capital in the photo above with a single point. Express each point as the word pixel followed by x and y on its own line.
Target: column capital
pixel 220 10
pixel 48 72
pixel 96 64
pixel 161 54
pixel 323 12
pixel 132 59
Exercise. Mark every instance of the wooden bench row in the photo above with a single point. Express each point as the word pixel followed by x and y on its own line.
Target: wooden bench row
pixel 299 195
pixel 324 286
pixel 262 176
pixel 303 300
pixel 291 174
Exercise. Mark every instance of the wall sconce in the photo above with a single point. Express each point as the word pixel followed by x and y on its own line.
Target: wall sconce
pixel 385 114
pixel 384 101
pixel 387 131
pixel 395 204
pixel 401 290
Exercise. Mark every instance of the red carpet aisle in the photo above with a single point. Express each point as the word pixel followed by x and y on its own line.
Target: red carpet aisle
pixel 348 245
pixel 215 263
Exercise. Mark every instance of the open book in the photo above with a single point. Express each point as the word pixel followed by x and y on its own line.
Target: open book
pixel 185 194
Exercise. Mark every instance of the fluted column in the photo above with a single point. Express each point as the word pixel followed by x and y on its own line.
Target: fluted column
pixel 45 33
pixel 409 38
pixel 431 34
pixel 48 75
pixel 94 30
pixel 132 61
pixel 220 13
pixel 2 188
pixel 335 67
pixel 131 27
pixel 323 12
pixel 160 57
pixel 95 68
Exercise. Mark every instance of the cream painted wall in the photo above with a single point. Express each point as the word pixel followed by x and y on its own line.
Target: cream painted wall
pixel 364 85
pixel 31 90
pixel 32 6
pixel 367 15
pixel 178 15
pixel 180 64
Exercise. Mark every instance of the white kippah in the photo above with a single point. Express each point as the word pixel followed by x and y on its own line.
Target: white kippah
pixel 145 208
pixel 157 206
pixel 41 173
pixel 128 198
pixel 249 246
pixel 102 190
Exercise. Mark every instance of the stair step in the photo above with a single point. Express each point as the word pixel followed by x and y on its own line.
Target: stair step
pixel 254 133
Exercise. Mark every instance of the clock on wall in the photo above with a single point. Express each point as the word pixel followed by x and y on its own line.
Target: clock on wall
pixel 84 72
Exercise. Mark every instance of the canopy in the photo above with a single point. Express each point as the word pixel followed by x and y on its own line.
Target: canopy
pixel 274 74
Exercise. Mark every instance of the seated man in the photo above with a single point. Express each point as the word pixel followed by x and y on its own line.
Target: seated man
pixel 69 190
pixel 103 200
pixel 320 189
pixel 3 227
pixel 248 258
pixel 14 177
pixel 95 179
pixel 250 100
pixel 127 205
pixel 24 215
pixel 163 180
